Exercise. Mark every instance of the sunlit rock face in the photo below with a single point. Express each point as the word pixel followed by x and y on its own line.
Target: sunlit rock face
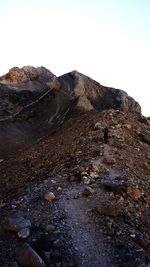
pixel 22 86
pixel 27 73
pixel 92 95
pixel 33 100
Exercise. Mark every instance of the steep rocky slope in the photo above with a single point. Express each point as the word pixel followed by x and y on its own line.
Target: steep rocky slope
pixel 33 101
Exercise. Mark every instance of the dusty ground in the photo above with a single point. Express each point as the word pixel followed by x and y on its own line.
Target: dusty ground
pixel 110 226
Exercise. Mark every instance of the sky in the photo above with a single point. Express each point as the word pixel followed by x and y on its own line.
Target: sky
pixel 107 40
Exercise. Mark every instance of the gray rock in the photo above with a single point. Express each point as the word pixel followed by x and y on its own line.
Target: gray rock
pixel 145 138
pixel 97 96
pixel 24 233
pixel 98 126
pixel 87 191
pixel 27 257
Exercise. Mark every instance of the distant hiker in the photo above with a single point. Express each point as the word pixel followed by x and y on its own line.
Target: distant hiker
pixel 105 131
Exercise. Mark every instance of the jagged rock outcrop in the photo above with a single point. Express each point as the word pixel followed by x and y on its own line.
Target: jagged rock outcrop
pixel 32 100
pixel 21 87
pixel 26 73
pixel 92 95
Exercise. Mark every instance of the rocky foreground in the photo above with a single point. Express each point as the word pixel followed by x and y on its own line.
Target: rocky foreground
pixel 66 198
pixel 71 200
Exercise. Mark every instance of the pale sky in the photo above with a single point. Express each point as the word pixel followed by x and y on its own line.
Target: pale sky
pixel 108 40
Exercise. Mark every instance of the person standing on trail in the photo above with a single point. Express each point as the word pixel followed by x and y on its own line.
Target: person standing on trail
pixel 105 131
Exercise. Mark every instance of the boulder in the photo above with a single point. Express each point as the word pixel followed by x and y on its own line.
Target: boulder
pixel 100 97
pixel 27 257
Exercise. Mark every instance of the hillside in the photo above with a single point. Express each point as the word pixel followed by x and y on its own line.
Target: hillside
pixel 99 214
pixel 34 100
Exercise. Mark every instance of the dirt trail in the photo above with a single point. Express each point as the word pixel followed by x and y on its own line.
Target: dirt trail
pixel 92 249
pixel 108 153
pixel 88 245
pixel 87 239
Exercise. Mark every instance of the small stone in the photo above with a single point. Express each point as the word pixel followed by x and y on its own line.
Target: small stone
pixel 94 175
pixel 94 168
pixel 85 180
pixel 127 126
pixel 26 257
pixel 146 166
pixel 15 224
pixel 24 233
pixel 13 206
pixel 111 211
pixel 132 235
pixel 109 161
pixel 104 170
pixel 133 192
pixel 53 181
pixel 49 196
pixel 59 188
pixel 138 130
pixel 98 126
pixel 76 197
pixel 84 173
pixel 1 160
pixel 50 228
pixel 87 191
pixel 145 138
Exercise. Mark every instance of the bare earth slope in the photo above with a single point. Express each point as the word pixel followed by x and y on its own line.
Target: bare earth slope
pixel 100 215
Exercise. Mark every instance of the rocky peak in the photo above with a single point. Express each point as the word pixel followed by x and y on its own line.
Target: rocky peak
pixel 26 73
pixel 31 96
pixel 92 95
